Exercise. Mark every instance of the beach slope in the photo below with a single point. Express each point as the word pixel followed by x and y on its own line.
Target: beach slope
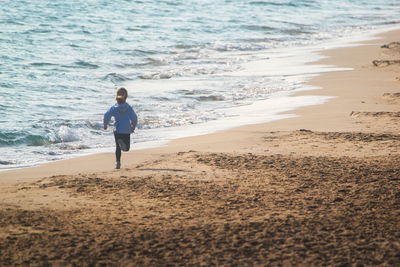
pixel 322 188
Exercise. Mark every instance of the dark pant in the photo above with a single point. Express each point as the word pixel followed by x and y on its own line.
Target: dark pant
pixel 126 138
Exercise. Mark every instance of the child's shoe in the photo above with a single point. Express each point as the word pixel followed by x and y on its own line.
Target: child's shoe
pixel 118 166
pixel 122 145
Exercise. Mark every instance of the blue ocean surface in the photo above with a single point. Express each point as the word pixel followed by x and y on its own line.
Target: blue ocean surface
pixel 190 66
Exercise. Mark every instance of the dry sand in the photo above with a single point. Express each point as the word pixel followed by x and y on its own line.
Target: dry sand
pixel 319 189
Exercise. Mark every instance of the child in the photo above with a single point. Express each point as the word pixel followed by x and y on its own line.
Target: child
pixel 125 123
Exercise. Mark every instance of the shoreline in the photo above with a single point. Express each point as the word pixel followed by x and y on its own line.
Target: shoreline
pixel 63 165
pixel 318 189
pixel 302 60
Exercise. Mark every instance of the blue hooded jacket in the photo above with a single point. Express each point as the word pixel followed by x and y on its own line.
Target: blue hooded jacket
pixel 125 118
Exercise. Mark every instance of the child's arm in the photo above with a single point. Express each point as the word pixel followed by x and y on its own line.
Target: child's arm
pixel 107 117
pixel 133 118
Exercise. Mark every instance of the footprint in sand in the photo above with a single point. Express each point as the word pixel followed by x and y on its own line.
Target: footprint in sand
pixel 392 45
pixel 392 98
pixel 391 49
pixel 390 54
pixel 358 114
pixel 385 63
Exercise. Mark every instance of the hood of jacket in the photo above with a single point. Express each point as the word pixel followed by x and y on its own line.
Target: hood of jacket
pixel 121 108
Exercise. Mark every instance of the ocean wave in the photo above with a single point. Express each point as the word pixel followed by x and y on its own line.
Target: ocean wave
pixel 6 162
pixel 188 47
pixel 86 65
pixel 74 45
pixel 151 62
pixel 258 28
pixel 36 31
pixel 116 78
pixel 133 29
pixel 43 64
pixel 94 125
pixel 12 138
pixel 162 121
pixel 191 71
pixel 159 76
pixel 208 98
pixel 63 134
pixel 6 85
pixel 188 56
pixel 298 3
pixel 80 64
pixel 231 47
pixel 67 134
pixel 160 98
pixel 188 92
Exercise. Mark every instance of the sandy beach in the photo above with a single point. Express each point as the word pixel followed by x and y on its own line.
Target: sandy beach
pixel 322 188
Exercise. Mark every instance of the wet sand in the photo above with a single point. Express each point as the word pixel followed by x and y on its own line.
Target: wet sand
pixel 319 189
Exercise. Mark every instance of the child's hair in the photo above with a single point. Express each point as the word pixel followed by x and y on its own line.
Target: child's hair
pixel 121 95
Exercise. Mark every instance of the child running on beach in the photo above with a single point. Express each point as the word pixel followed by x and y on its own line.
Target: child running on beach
pixel 125 123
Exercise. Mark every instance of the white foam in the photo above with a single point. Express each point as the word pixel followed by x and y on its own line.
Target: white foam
pixel 66 134
pixel 258 112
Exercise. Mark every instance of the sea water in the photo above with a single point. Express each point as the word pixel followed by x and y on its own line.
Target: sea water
pixel 191 67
